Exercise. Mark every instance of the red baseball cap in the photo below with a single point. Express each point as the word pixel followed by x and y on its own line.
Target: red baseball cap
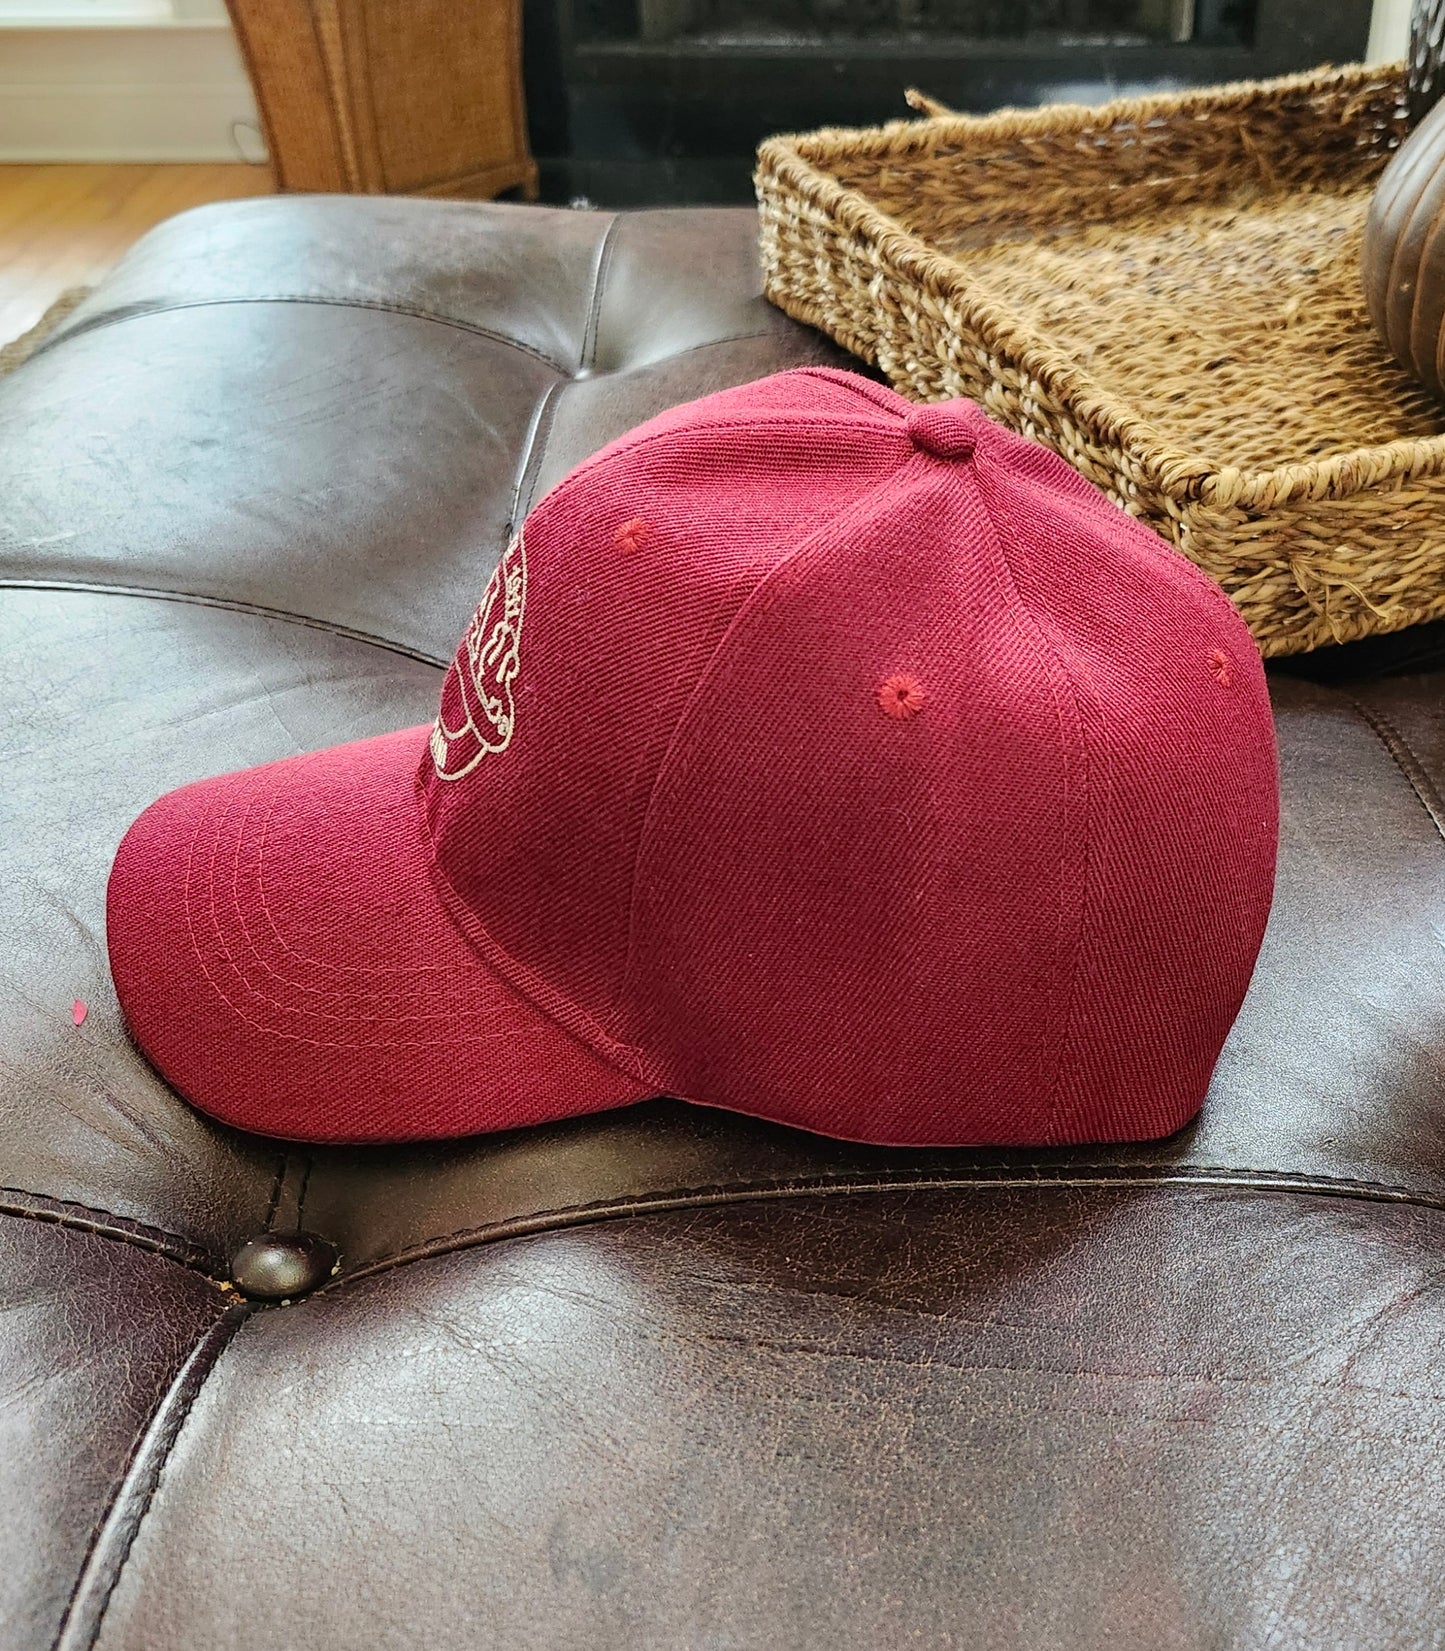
pixel 839 761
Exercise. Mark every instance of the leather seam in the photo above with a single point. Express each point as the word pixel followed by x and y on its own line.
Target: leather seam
pixel 592 327
pixel 98 1527
pixel 90 1218
pixel 1100 1177
pixel 101 322
pixel 524 484
pixel 544 419
pixel 692 349
pixel 163 1426
pixel 1403 756
pixel 277 1183
pixel 301 1195
pixel 252 609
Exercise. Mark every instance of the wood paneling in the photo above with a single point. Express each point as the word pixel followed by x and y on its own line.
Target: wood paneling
pixel 390 96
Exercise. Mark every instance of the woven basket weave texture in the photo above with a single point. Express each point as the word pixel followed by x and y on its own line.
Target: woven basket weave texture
pixel 1166 291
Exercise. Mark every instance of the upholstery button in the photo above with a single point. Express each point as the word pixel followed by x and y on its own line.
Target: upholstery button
pixel 944 428
pixel 282 1266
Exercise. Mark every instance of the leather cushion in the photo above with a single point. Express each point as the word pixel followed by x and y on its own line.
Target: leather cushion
pixel 663 1375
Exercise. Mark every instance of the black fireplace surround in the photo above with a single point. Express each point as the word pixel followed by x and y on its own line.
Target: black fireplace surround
pixel 645 102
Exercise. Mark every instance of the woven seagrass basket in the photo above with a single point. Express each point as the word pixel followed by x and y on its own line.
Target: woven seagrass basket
pixel 1167 292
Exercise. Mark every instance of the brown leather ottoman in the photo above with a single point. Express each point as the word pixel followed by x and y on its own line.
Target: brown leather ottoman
pixel 661 1378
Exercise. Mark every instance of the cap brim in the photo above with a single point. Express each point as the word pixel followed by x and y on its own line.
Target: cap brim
pixel 284 961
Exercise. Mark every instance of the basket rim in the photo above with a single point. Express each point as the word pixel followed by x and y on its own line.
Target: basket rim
pixel 907 134
pixel 798 161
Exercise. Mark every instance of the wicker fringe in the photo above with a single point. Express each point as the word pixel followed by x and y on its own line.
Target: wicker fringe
pixel 22 348
pixel 1166 291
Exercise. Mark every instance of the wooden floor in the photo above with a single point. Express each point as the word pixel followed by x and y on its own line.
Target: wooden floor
pixel 64 226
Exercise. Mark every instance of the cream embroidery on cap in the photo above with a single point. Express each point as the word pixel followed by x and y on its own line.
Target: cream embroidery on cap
pixel 477 711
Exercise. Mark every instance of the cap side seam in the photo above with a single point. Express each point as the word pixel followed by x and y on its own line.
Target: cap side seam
pixel 757 600
pixel 1058 671
pixel 576 1021
pixel 557 1008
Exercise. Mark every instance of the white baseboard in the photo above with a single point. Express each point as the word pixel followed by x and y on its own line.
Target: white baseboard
pixel 157 91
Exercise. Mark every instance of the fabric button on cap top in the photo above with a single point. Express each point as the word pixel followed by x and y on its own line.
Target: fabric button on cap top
pixel 787 765
pixel 947 429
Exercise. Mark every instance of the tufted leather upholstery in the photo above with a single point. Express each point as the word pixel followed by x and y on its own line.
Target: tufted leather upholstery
pixel 660 1378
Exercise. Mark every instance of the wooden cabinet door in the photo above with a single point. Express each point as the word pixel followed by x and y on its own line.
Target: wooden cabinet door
pixel 390 96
